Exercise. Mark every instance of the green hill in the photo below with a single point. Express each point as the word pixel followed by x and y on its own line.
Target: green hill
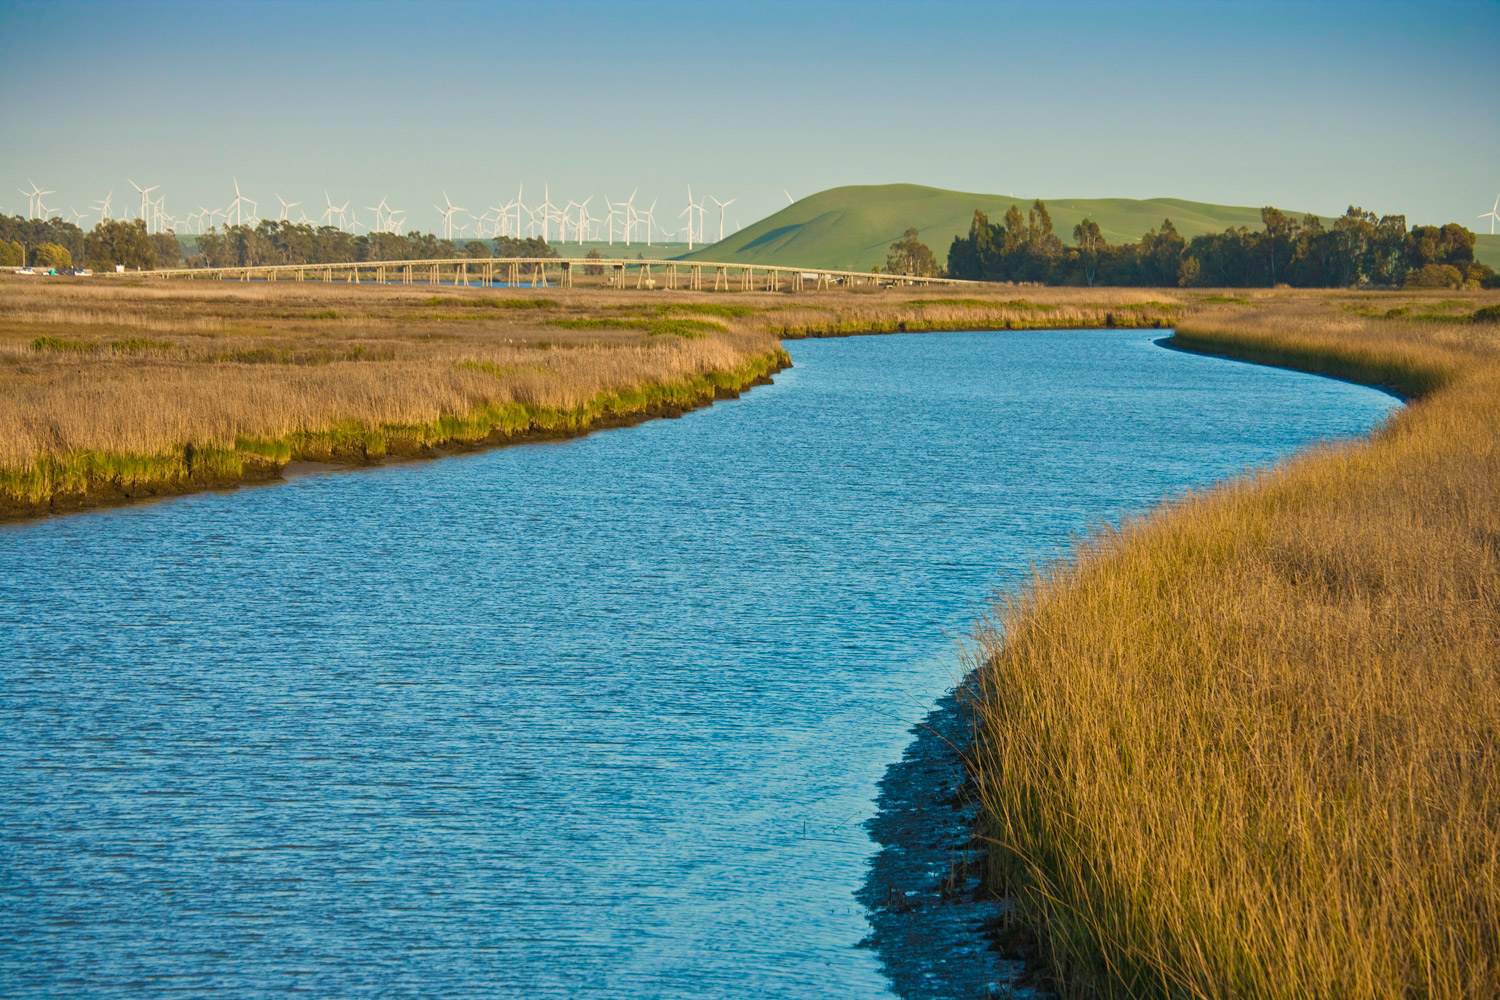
pixel 1487 250
pixel 851 228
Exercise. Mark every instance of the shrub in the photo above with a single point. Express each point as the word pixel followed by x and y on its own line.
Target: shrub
pixel 1435 276
pixel 51 255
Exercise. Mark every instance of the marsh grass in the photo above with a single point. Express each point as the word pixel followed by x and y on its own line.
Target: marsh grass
pixel 1248 745
pixel 212 384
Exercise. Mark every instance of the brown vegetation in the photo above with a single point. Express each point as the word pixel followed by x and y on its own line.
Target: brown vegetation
pixel 1246 746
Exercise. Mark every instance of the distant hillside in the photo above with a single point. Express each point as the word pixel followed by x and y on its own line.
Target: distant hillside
pixel 851 228
pixel 1487 250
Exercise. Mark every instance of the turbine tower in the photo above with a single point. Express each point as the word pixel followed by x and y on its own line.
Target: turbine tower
pixel 448 215
pixel 145 215
pixel 722 205
pixel 236 207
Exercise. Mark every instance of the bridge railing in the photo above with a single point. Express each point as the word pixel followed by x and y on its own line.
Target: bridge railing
pixel 558 272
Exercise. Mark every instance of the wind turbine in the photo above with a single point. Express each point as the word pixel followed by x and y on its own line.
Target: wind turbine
pixel 34 198
pixel 789 199
pixel 377 209
pixel 102 207
pixel 614 210
pixel 630 216
pixel 584 218
pixel 75 216
pixel 286 206
pixel 448 215
pixel 330 211
pixel 650 217
pixel 722 205
pixel 236 207
pixel 31 197
pixel 1493 214
pixel 145 215
pixel 548 210
pixel 693 207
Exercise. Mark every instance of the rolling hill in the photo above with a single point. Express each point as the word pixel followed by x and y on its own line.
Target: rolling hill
pixel 851 228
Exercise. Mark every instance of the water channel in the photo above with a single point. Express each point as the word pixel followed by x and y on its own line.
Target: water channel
pixel 599 718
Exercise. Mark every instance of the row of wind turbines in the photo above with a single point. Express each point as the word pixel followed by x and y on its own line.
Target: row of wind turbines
pixel 573 221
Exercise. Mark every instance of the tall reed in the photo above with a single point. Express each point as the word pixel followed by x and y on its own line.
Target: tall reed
pixel 1248 744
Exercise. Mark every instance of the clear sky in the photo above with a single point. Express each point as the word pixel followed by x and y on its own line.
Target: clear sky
pixel 1309 106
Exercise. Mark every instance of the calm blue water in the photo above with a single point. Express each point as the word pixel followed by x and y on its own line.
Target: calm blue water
pixel 593 719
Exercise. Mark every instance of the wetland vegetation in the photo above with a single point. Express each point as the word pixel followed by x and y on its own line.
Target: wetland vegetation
pixel 1242 746
pixel 1245 745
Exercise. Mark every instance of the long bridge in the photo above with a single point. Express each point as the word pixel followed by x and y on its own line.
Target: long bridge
pixel 559 272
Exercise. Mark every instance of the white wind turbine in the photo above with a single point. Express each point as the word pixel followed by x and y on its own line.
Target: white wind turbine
pixel 236 207
pixel 102 207
pixel 286 206
pixel 501 219
pixel 520 207
pixel 448 215
pixel 75 216
pixel 789 199
pixel 145 215
pixel 379 226
pixel 584 218
pixel 613 211
pixel 330 211
pixel 547 209
pixel 1493 214
pixel 692 207
pixel 649 217
pixel 631 218
pixel 722 205
pixel 30 198
pixel 34 199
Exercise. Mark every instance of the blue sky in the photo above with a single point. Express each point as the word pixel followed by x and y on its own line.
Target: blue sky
pixel 1309 106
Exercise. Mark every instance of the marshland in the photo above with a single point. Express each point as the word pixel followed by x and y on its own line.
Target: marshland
pixel 1232 737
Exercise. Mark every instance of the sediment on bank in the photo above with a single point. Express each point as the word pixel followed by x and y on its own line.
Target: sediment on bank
pixel 1244 746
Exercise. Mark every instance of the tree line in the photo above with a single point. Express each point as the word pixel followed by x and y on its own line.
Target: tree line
pixel 1359 248
pixel 56 243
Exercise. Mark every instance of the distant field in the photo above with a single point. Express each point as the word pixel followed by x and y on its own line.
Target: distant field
pixel 852 228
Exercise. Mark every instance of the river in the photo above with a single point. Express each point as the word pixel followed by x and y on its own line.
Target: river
pixel 597 718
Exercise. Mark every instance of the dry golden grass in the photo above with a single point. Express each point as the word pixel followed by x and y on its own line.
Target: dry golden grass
pixel 112 390
pixel 1249 744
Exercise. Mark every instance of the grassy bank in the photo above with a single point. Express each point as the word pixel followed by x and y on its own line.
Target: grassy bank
pixel 116 390
pixel 113 392
pixel 1246 746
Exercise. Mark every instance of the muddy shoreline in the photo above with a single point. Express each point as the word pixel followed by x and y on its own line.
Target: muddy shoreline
pixel 939 931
